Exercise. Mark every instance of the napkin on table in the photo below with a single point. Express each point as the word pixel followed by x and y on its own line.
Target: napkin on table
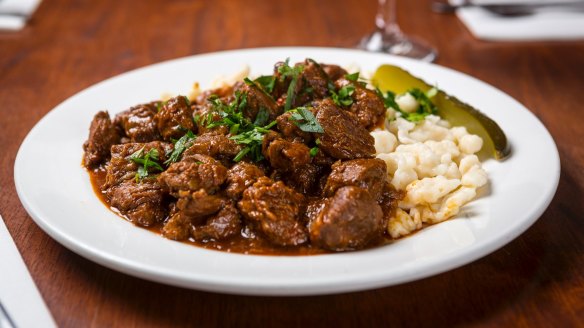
pixel 550 23
pixel 15 13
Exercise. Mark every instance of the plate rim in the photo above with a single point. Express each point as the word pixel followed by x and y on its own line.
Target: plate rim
pixel 263 288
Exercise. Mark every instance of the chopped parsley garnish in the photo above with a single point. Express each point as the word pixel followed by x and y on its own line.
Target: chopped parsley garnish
pixel 147 162
pixel 352 77
pixel 252 140
pixel 262 117
pixel 425 108
pixel 286 71
pixel 247 81
pixel 160 105
pixel 305 120
pixel 187 100
pixel 180 146
pixel 388 99
pixel 267 82
pixel 313 151
pixel 230 115
pixel 343 97
pixel 242 130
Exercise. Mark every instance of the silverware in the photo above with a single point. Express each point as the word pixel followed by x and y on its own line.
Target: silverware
pixel 14 14
pixel 21 303
pixel 508 9
pixel 12 20
pixel 5 320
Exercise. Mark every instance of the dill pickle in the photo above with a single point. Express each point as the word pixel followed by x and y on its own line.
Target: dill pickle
pixel 395 79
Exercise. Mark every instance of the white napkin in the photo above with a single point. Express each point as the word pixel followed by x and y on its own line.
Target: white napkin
pixel 23 10
pixel 551 23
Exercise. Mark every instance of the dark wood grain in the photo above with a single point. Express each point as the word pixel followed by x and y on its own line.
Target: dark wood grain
pixel 536 280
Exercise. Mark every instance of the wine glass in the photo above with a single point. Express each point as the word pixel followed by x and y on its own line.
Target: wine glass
pixel 389 38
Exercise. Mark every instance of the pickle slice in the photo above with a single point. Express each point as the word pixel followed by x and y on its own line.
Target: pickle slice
pixel 397 80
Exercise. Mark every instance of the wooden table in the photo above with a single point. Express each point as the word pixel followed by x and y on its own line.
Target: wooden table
pixel 536 280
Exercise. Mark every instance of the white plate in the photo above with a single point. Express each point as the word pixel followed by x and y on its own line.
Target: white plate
pixel 56 192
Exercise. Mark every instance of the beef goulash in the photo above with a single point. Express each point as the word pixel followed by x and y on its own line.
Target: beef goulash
pixel 283 164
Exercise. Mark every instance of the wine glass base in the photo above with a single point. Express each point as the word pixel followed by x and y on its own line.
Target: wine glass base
pixel 399 45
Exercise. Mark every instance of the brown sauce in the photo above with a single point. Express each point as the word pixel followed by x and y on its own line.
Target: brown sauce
pixel 238 244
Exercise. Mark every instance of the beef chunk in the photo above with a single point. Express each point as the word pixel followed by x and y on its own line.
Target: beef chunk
pixel 120 168
pixel 323 159
pixel 175 118
pixel 315 79
pixel 305 178
pixel 367 174
pixel 285 155
pixel 390 197
pixel 142 202
pixel 178 227
pixel 334 72
pixel 102 135
pixel 240 177
pixel 198 204
pixel 280 84
pixel 367 106
pixel 225 224
pixel 138 122
pixel 257 100
pixel 192 218
pixel 314 206
pixel 193 173
pixel 291 131
pixel 312 83
pixel 275 211
pixel 218 146
pixel 349 220
pixel 343 138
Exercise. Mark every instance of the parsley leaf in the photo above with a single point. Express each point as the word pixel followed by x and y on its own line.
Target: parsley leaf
pixel 343 97
pixel 231 115
pixel 305 120
pixel 180 146
pixel 247 81
pixel 252 140
pixel 293 72
pixel 388 99
pixel 267 82
pixel 352 77
pixel 242 130
pixel 160 105
pixel 147 162
pixel 313 151
pixel 425 108
pixel 187 100
pixel 262 117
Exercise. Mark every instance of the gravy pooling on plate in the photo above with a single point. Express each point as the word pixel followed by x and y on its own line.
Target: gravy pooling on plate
pixel 284 164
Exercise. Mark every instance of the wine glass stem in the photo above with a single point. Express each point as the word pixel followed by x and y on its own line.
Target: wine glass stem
pixel 386 19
